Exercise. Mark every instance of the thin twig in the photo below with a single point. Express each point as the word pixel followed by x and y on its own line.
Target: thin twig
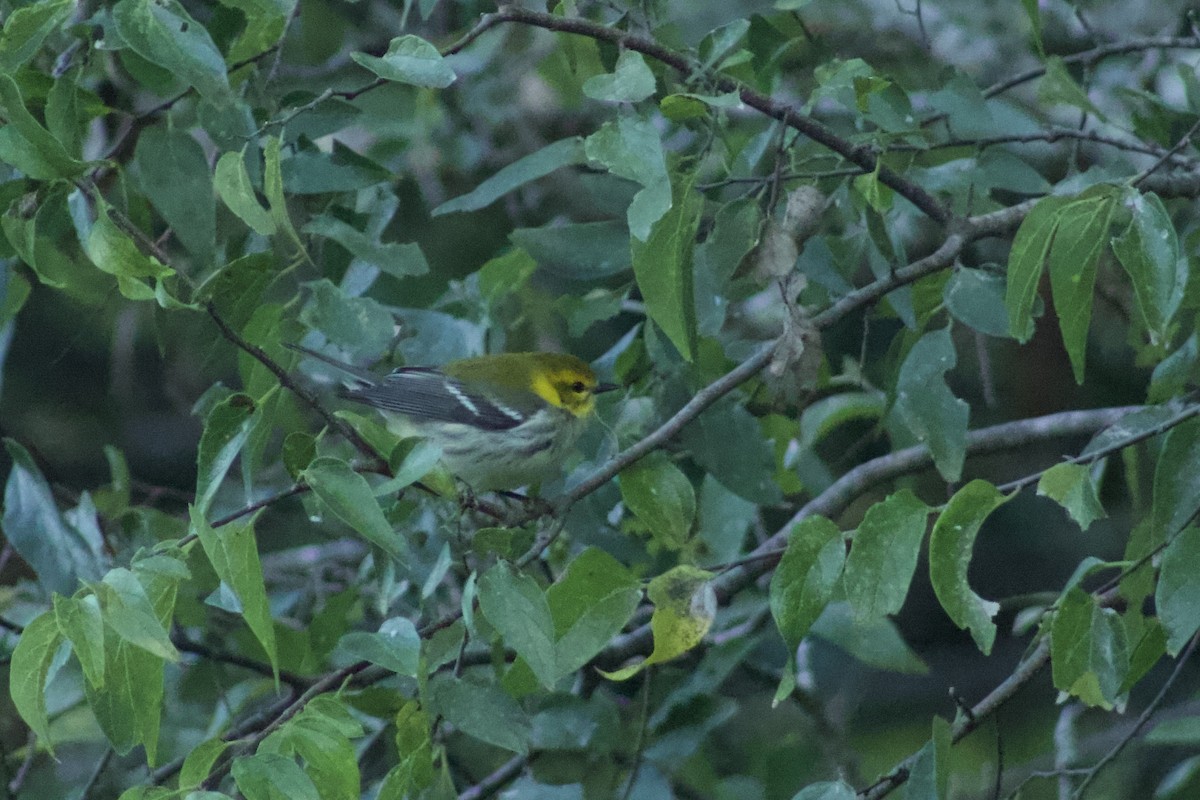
pixel 497 780
pixel 1183 142
pixel 786 113
pixel 1089 57
pixel 378 462
pixel 1142 719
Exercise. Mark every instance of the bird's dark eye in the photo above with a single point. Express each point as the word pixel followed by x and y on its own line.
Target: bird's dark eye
pixel 578 387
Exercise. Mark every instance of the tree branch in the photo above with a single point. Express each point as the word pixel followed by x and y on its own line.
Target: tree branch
pixel 863 156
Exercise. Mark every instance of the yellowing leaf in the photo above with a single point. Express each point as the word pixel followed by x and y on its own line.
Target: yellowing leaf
pixel 684 608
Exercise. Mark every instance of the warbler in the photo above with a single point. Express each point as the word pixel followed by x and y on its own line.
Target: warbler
pixel 502 421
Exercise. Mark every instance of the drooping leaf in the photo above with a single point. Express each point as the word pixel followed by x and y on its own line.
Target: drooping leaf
pixel 1177 596
pixel 1071 486
pixel 685 605
pixel 950 548
pixel 80 620
pixel 233 553
pixel 1176 497
pixel 226 429
pixel 1149 251
pixel 1026 261
pixel 662 498
pixel 60 553
pixel 524 170
pixel 483 711
pixel 1074 258
pixel 630 81
pixel 927 407
pixel 883 555
pixel 808 572
pixel 1088 650
pixel 632 149
pixel 232 182
pixel 662 264
pixel 348 495
pixel 27 145
pixel 26 28
pixel 516 607
pixel 163 33
pixel 174 172
pixel 590 604
pixel 409 59
pixel 29 671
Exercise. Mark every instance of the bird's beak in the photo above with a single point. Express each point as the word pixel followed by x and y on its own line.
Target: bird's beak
pixel 601 388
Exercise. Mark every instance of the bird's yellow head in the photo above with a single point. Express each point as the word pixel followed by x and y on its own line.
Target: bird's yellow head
pixel 566 382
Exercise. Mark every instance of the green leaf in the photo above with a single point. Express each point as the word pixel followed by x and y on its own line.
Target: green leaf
pixel 950 548
pixel 662 497
pixel 1149 251
pixel 348 495
pixel 30 670
pixel 61 554
pixel 131 615
pixel 233 553
pixel 883 555
pixel 1088 651
pixel 358 324
pixel 685 606
pixel 1071 486
pixel 976 298
pixel 273 189
pixel 264 26
pixel 483 711
pixel 590 604
pixel 114 252
pixel 585 251
pixel 226 429
pixel 26 28
pixel 27 145
pixel 630 82
pixel 309 170
pixel 233 184
pixel 398 259
pixel 129 706
pixel 409 59
pixel 632 149
pixel 199 762
pixel 163 33
pixel 930 773
pixel 80 621
pixel 174 173
pixel 320 735
pixel 516 607
pixel 1176 498
pixel 1073 261
pixel 1057 86
pixel 237 288
pixel 1182 732
pixel 926 406
pixel 1177 596
pixel 524 170
pixel 1035 21
pixel 876 642
pixel 807 574
pixel 270 776
pixel 747 469
pixel 662 265
pixel 395 646
pixel 1026 260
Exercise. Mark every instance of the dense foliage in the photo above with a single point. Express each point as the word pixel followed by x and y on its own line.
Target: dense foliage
pixel 898 494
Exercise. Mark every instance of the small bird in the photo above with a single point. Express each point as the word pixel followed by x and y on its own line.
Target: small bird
pixel 502 421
